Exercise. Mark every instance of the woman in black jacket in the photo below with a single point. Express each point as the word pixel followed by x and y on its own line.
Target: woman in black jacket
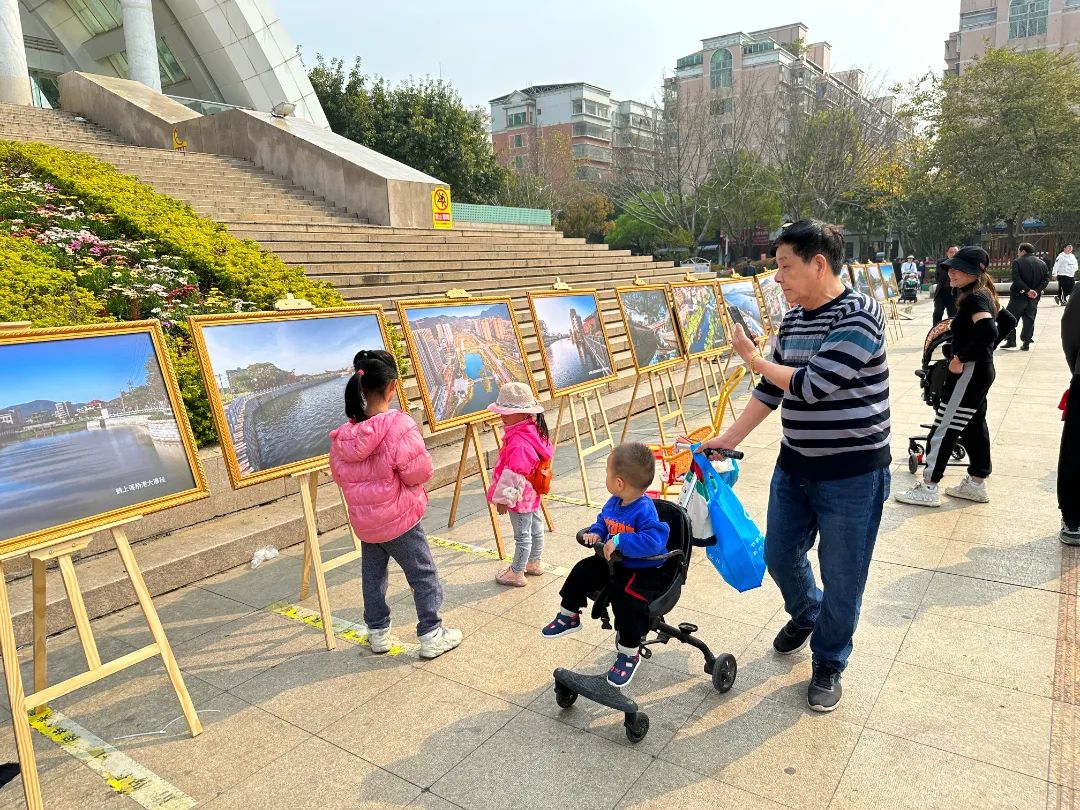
pixel 962 412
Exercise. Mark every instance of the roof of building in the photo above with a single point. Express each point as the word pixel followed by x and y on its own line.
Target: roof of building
pixel 541 89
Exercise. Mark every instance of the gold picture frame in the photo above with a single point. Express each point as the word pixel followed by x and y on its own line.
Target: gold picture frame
pixel 238 477
pixel 664 364
pixel 892 286
pixel 859 274
pixel 549 371
pixel 159 352
pixel 686 340
pixel 766 322
pixel 877 283
pixel 404 307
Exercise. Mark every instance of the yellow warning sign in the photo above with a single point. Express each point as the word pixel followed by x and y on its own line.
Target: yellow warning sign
pixel 442 213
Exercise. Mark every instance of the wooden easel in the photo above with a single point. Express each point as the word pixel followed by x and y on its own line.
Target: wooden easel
pixel 309 492
pixel 673 407
pixel 597 443
pixel 61 550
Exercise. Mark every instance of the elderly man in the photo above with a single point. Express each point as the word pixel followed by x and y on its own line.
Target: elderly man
pixel 1030 277
pixel 829 375
pixel 944 294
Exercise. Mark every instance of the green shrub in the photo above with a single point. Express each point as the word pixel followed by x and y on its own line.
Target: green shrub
pixel 36 289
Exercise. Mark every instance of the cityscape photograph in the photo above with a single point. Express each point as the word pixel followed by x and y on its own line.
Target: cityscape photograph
pixel 776 303
pixel 743 307
pixel 572 338
pixel 651 326
pixel 699 318
pixel 464 353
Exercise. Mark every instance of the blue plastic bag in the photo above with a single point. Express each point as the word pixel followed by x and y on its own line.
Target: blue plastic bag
pixel 739 551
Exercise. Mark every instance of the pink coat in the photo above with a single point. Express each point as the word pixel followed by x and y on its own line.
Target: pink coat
pixel 522 450
pixel 381 464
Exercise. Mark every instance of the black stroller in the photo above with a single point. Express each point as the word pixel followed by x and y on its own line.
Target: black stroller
pixel 933 375
pixel 722 668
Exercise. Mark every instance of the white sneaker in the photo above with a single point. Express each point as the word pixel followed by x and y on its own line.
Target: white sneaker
pixel 920 495
pixel 439 641
pixel 380 640
pixel 969 491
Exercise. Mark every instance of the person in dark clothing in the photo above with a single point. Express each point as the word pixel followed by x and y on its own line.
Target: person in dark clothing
pixel 944 294
pixel 1030 275
pixel 961 415
pixel 1068 475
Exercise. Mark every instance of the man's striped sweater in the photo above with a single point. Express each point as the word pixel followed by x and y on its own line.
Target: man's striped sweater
pixel 835 412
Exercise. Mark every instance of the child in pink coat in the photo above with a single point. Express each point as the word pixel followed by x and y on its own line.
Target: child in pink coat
pixel 525 446
pixel 379 460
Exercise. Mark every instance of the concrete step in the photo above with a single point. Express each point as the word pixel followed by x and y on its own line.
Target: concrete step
pixel 394 251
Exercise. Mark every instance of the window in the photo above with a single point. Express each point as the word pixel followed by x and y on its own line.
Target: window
pixel 1027 18
pixel 583 130
pixel 721 106
pixel 519 162
pixel 98 16
pixel 518 119
pixel 758 47
pixel 169 66
pixel 577 107
pixel 690 61
pixel 720 69
pixel 517 141
pixel 975 19
pixel 584 151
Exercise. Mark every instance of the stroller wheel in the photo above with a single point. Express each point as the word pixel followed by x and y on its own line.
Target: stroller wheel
pixel 564 697
pixel 913 463
pixel 959 453
pixel 724 670
pixel 637 728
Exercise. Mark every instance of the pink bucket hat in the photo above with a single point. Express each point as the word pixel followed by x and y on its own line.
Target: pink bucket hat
pixel 515 397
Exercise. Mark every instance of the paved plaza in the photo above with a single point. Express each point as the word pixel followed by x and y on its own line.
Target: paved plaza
pixel 961 692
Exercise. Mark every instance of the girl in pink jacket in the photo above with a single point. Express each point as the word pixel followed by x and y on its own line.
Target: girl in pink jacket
pixel 379 460
pixel 525 446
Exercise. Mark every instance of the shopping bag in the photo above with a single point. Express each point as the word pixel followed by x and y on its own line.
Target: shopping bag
pixel 694 498
pixel 739 551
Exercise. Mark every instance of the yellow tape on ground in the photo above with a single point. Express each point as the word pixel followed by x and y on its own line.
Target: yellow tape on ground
pixel 569 500
pixel 487 553
pixel 347 631
pixel 121 772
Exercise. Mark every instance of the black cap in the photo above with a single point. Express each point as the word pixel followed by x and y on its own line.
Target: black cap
pixel 971 260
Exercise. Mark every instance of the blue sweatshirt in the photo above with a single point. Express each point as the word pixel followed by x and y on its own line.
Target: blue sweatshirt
pixel 636 529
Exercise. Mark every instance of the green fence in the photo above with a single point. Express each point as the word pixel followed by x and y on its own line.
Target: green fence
pixel 501 215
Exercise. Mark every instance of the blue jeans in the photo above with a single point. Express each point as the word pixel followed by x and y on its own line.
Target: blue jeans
pixel 528 538
pixel 844 516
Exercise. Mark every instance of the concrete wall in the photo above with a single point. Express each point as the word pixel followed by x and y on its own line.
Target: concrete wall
pixel 351 176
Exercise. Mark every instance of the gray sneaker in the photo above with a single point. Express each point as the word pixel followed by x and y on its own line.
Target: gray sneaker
pixel 1070 535
pixel 380 640
pixel 439 641
pixel 968 490
pixel 920 495
pixel 824 692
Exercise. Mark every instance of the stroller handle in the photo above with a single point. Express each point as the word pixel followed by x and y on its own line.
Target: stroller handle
pixel 710 453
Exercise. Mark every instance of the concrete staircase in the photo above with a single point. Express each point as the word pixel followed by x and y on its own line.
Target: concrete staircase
pixel 369 265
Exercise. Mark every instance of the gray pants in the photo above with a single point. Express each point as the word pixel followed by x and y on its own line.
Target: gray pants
pixel 528 538
pixel 412 552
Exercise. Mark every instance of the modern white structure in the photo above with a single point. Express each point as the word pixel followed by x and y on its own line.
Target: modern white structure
pixel 204 52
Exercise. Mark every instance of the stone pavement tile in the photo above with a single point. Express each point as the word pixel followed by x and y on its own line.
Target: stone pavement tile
pixel 509 661
pixel 52 763
pixel 460 617
pixel 893 584
pixel 429 801
pixel 317 774
pixel 421 727
pixel 992 655
pixel 1033 565
pixel 75 789
pixel 896 516
pixel 721 634
pixel 1036 441
pixel 664 786
pixel 314 689
pixel 237 741
pixel 474 584
pixel 911 548
pixel 706 592
pixel 667 697
pixel 998 604
pixel 992 724
pixel 540 608
pixel 239 650
pixel 791 756
pixel 887 771
pixel 537 762
pixel 1011 529
pixel 1064 759
pixel 273 581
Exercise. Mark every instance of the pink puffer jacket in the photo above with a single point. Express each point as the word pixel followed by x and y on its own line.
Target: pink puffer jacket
pixel 523 448
pixel 381 464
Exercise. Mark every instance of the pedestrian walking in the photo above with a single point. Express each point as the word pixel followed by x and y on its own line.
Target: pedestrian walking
pixel 961 415
pixel 944 294
pixel 829 376
pixel 1068 475
pixel 1065 273
pixel 1030 277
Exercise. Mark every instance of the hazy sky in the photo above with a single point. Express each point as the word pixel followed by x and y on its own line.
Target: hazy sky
pixel 489 48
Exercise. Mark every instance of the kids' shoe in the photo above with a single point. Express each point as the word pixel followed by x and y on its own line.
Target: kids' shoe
pixel 562 625
pixel 380 640
pixel 920 495
pixel 533 569
pixel 824 692
pixel 438 641
pixel 508 576
pixel 969 491
pixel 623 670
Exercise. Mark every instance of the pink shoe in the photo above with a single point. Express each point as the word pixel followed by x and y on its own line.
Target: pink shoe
pixel 508 576
pixel 533 569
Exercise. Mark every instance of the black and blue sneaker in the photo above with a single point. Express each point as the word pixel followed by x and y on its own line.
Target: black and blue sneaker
pixel 622 671
pixel 562 625
pixel 824 692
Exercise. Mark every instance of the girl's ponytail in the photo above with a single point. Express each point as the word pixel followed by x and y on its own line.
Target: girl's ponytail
pixel 542 427
pixel 375 370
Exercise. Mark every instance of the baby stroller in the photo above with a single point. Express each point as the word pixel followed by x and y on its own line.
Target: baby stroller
pixel 722 668
pixel 909 287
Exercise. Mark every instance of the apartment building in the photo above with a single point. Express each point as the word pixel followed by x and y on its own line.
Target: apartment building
pixel 1020 24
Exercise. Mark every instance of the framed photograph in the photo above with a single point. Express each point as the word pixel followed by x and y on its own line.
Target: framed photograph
pixel 463 351
pixel 697 312
pixel 877 283
pixel 573 341
pixel 92 431
pixel 861 281
pixel 650 327
pixel 776 303
pixel 276 383
pixel 845 276
pixel 744 308
pixel 888 273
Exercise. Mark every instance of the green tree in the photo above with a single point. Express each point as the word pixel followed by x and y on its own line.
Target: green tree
pixel 420 122
pixel 631 233
pixel 586 215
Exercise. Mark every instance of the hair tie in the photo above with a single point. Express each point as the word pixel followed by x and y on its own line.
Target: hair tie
pixel 359 372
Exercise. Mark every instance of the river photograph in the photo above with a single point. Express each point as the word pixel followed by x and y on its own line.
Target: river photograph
pixel 776 303
pixel 86 428
pixel 699 318
pixel 651 326
pixel 575 350
pixel 743 307
pixel 280 382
